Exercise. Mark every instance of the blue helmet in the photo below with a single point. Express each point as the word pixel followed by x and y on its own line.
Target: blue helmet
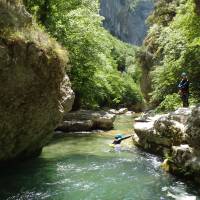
pixel 119 136
pixel 183 74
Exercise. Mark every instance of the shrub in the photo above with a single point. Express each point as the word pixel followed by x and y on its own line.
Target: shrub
pixel 170 103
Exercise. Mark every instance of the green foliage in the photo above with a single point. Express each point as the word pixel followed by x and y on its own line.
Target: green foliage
pixel 103 68
pixel 121 89
pixel 176 48
pixel 164 13
pixel 170 103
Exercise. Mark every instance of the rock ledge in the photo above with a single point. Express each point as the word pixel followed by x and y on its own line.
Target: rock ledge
pixel 86 120
pixel 176 137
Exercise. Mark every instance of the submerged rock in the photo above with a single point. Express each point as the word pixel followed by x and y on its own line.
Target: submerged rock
pixel 34 89
pixel 86 120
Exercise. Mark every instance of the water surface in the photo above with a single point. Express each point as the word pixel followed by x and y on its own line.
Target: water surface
pixel 86 168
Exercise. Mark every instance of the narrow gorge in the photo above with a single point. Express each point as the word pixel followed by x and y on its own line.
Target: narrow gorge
pixel 127 19
pixel 99 99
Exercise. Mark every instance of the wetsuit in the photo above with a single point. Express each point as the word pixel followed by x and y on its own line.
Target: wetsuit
pixel 118 141
pixel 184 91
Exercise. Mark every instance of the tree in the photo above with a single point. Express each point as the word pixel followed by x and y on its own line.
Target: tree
pixel 95 55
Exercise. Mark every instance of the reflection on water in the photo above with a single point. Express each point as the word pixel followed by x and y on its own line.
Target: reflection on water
pixel 86 168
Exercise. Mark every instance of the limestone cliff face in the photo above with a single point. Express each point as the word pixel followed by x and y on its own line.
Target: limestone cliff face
pixel 124 21
pixel 34 88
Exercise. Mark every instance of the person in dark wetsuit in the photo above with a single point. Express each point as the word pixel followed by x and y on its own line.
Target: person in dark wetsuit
pixel 119 139
pixel 184 89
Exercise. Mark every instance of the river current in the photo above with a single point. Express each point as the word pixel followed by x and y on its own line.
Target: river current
pixel 87 168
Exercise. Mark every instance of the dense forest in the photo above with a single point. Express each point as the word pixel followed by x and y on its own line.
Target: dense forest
pixel 172 47
pixel 102 63
pixel 103 69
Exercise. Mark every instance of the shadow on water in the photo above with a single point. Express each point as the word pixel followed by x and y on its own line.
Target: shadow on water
pixel 86 168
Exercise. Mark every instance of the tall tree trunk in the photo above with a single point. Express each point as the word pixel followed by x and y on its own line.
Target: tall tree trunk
pixel 197 9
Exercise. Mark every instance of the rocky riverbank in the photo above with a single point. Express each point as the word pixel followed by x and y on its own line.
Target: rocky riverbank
pixel 176 137
pixel 89 120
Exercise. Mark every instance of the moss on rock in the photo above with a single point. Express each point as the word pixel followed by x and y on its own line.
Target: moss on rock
pixel 33 85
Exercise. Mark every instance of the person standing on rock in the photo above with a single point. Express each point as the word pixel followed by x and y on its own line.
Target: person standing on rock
pixel 184 89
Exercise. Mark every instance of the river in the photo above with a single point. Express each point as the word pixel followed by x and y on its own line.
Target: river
pixel 87 168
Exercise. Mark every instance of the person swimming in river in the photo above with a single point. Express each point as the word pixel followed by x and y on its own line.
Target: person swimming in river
pixel 119 138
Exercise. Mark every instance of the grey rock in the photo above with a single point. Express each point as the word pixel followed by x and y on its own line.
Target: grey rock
pixel 146 116
pixel 74 125
pixel 176 136
pixel 86 120
pixel 171 129
pixel 125 21
pixel 193 128
pixel 185 161
pixel 34 89
pixel 159 134
pixel 130 113
pixel 118 112
pixel 182 154
pixel 123 110
pixel 181 115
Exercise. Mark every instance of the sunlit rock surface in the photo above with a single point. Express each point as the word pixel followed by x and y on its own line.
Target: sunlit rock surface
pixel 121 111
pixel 185 160
pixel 176 137
pixel 159 134
pixel 181 115
pixel 193 128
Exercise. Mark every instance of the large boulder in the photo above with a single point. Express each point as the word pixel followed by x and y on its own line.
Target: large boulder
pixel 185 161
pixel 86 120
pixel 193 128
pixel 181 115
pixel 34 89
pixel 171 130
pixel 75 126
pixel 158 134
pixel 176 136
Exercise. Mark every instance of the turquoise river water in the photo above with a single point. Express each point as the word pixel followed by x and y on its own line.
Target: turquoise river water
pixel 87 168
